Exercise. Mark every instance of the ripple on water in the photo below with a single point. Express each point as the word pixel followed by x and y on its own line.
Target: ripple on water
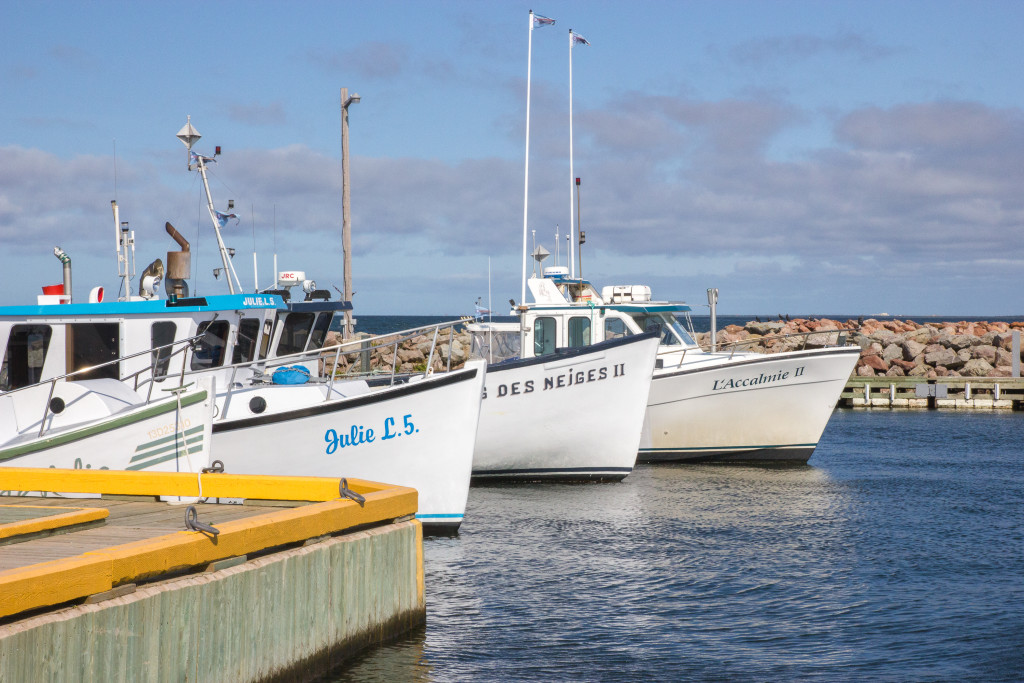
pixel 897 555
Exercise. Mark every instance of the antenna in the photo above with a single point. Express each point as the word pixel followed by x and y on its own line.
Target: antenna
pixel 579 228
pixel 255 270
pixel 189 136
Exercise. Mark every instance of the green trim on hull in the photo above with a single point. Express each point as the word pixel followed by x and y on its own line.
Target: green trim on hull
pixel 47 443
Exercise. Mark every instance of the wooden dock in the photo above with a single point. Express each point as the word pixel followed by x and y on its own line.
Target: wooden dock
pixel 943 393
pixel 287 580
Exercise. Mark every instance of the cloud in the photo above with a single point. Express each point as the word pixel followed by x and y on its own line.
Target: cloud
pixel 903 197
pixel 802 47
pixel 256 114
pixel 370 60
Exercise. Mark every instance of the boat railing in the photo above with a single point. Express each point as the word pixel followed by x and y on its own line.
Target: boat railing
pixel 84 373
pixel 817 339
pixel 328 359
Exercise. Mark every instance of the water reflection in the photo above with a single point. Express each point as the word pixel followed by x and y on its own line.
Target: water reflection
pixel 877 561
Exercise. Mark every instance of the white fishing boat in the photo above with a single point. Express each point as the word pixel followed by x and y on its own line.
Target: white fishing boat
pixel 416 432
pixel 571 409
pixel 72 422
pixel 570 413
pixel 703 406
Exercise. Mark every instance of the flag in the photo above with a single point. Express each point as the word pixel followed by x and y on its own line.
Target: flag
pixel 538 20
pixel 577 39
pixel 222 218
pixel 194 158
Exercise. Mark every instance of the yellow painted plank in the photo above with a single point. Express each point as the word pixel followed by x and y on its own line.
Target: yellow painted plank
pixel 50 583
pixel 37 524
pixel 186 484
pixel 245 536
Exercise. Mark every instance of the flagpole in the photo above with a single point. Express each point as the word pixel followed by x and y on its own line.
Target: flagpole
pixel 526 180
pixel 572 222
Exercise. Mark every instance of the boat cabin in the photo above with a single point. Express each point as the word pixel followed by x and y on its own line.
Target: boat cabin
pixel 570 313
pixel 46 341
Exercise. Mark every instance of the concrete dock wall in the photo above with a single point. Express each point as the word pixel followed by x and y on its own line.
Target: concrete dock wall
pixel 289 615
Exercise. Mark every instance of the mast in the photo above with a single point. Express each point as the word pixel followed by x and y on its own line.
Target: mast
pixel 572 222
pixel 535 20
pixel 189 136
pixel 574 38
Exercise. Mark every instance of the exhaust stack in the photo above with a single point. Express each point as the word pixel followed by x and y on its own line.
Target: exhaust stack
pixel 66 260
pixel 179 264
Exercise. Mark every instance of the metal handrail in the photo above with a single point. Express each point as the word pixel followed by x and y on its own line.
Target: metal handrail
pixel 395 339
pixel 840 340
pixel 185 344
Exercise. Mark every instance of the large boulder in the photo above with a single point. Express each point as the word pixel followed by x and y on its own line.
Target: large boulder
pixel 912 349
pixel 876 363
pixel 985 352
pixel 765 328
pixel 940 356
pixel 976 367
pixel 892 352
pixel 960 341
pixel 921 335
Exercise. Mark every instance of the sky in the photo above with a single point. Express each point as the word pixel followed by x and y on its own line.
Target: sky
pixel 803 157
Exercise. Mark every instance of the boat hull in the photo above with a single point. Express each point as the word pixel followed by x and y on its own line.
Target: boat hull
pixel 758 408
pixel 420 434
pixel 168 435
pixel 571 417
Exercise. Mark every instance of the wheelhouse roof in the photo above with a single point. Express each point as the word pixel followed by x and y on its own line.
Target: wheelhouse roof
pixel 155 307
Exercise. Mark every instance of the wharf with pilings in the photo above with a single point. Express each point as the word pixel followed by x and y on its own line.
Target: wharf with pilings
pixel 287 585
pixel 944 393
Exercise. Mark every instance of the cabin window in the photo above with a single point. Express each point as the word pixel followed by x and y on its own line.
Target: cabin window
pixel 265 339
pixel 248 335
pixel 615 328
pixel 162 334
pixel 323 324
pixel 495 346
pixel 579 332
pixel 544 336
pixel 672 333
pixel 295 333
pixel 209 351
pixel 23 360
pixel 92 344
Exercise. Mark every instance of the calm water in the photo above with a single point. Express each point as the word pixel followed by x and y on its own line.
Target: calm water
pixel 898 554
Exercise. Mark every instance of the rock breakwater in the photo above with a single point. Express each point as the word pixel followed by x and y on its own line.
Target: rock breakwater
pixel 889 348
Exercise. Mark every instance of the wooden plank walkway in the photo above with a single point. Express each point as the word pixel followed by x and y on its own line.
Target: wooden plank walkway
pixel 953 393
pixel 128 521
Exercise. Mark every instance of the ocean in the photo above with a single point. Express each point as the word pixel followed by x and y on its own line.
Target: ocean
pixel 896 554
pixel 384 324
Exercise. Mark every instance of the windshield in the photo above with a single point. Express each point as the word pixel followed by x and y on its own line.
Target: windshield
pixel 672 333
pixel 495 346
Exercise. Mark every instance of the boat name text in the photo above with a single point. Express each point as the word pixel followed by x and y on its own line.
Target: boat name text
pixel 360 434
pixel 565 379
pixel 760 379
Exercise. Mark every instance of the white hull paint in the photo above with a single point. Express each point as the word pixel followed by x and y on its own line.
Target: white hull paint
pixel 574 416
pixel 750 408
pixel 419 434
pixel 106 426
